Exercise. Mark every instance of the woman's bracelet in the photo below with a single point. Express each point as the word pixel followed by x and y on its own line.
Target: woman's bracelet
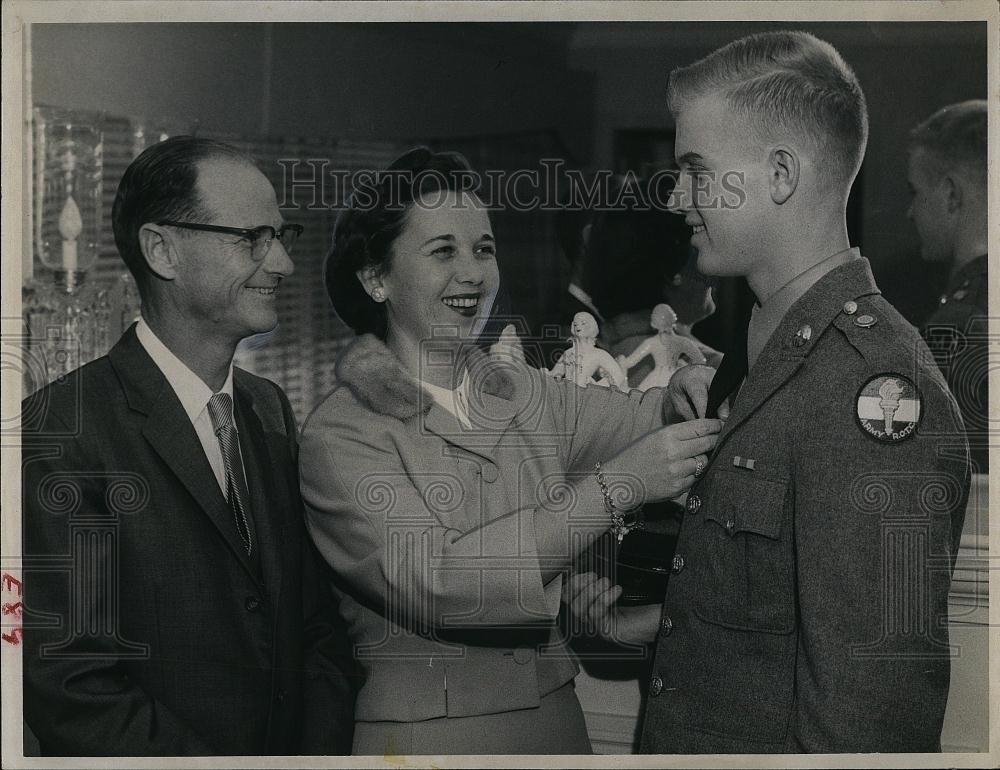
pixel 618 524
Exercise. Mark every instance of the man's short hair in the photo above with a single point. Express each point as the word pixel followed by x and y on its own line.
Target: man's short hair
pixel 955 137
pixel 785 81
pixel 162 184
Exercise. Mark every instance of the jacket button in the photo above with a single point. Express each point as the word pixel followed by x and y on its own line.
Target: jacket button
pixel 666 626
pixel 655 687
pixel 252 604
pixel 523 655
pixel 693 504
pixel 490 473
pixel 677 564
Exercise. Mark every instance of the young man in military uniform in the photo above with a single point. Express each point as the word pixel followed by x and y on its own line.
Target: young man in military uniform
pixel 948 183
pixel 807 607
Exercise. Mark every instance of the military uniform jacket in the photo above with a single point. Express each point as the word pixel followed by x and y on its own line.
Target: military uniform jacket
pixel 957 335
pixel 807 609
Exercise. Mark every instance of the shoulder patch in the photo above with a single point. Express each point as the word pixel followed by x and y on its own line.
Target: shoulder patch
pixel 888 408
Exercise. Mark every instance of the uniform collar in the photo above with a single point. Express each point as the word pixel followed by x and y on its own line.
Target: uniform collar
pixel 766 317
pixel 971 269
pixel 839 297
pixel 833 295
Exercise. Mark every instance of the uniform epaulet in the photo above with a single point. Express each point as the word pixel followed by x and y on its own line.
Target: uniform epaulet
pixel 865 327
pixel 886 341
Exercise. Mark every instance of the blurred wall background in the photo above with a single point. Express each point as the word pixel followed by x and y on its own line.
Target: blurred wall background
pixel 584 84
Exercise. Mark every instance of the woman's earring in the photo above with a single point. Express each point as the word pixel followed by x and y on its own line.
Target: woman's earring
pixel 378 295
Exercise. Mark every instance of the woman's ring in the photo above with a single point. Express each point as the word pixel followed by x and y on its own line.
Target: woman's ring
pixel 699 469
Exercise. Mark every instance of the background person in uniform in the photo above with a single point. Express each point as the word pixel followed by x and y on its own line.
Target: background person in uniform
pixel 450 491
pixel 948 181
pixel 807 609
pixel 173 602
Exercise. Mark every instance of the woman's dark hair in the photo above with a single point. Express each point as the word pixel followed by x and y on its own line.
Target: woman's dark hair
pixel 375 216
pixel 633 250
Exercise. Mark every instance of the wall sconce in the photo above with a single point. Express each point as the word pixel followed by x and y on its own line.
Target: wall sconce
pixel 66 317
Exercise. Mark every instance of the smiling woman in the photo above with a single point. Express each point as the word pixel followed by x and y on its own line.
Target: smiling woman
pixel 450 490
pixel 399 214
pixel 444 277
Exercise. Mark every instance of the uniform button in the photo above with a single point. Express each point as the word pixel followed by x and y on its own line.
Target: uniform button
pixel 523 655
pixel 666 626
pixel 490 473
pixel 850 307
pixel 677 564
pixel 655 687
pixel 865 321
pixel 694 503
pixel 252 604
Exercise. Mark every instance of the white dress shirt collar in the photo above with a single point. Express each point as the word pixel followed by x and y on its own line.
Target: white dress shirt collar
pixel 191 390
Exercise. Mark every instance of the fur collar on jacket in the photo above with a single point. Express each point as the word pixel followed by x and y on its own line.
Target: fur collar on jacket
pixel 378 380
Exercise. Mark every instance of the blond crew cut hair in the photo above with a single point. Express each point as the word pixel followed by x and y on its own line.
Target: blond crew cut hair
pixel 781 82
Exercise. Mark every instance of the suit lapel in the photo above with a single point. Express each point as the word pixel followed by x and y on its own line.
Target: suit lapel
pixel 169 431
pixel 265 502
pixel 171 435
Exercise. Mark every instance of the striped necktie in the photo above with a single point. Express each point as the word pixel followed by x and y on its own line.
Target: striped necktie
pixel 220 409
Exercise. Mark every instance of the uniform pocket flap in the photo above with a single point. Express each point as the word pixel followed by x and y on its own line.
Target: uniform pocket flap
pixel 758 509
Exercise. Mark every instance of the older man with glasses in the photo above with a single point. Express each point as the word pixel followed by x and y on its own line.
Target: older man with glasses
pixel 173 604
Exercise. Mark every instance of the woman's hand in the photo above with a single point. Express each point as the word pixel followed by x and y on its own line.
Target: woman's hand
pixel 508 347
pixel 687 392
pixel 661 465
pixel 591 602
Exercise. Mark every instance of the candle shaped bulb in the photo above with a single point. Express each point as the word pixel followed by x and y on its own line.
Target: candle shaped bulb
pixel 70 227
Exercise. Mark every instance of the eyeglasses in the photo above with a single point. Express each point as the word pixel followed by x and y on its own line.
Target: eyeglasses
pixel 260 238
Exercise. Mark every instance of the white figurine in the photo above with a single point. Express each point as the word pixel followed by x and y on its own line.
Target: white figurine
pixel 584 360
pixel 666 347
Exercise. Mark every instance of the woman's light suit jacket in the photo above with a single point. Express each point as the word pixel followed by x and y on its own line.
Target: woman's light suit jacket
pixel 433 530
